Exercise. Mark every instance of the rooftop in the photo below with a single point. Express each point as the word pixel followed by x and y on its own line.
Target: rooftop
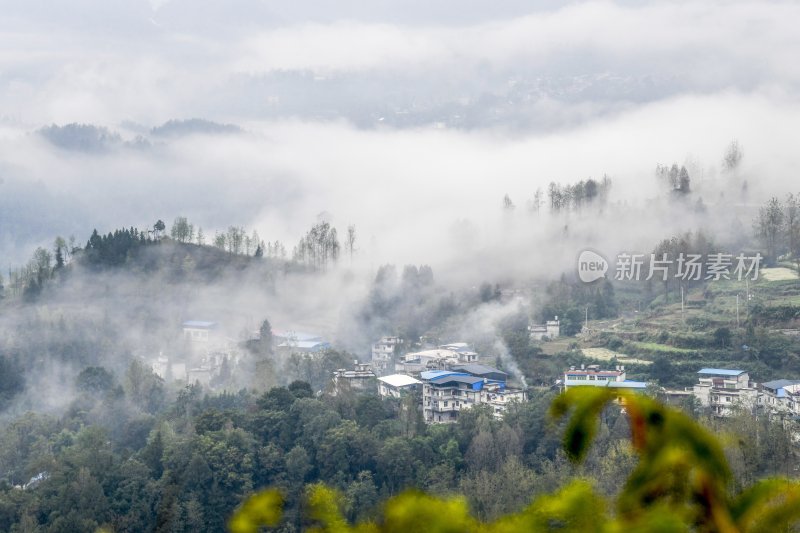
pixel 200 324
pixel 304 344
pixel 433 354
pixel 456 346
pixel 720 372
pixel 478 370
pixel 399 380
pixel 432 374
pixel 456 378
pixel 297 335
pixel 627 384
pixel 610 384
pixel 779 383
pixel 588 372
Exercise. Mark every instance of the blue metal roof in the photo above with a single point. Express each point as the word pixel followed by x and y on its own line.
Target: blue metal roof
pixel 720 372
pixel 432 374
pixel 627 384
pixel 779 383
pixel 459 378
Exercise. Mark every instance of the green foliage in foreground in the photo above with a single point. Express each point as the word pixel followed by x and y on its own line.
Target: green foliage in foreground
pixel 681 483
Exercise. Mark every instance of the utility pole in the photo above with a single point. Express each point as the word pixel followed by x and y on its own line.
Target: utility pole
pixel 586 320
pixel 737 311
pixel 683 317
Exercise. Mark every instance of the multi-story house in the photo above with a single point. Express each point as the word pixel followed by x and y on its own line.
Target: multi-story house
pixel 442 358
pixel 383 353
pixel 780 397
pixel 360 379
pixel 396 385
pixel 724 390
pixel 445 393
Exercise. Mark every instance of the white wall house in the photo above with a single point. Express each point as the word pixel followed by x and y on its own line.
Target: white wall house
pixel 780 397
pixel 725 390
pixel 396 385
pixel 445 393
pixel 442 358
pixel 550 329
pixel 383 353
pixel 360 379
pixel 198 331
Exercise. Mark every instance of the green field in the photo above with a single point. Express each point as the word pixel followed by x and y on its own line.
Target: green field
pixel 661 348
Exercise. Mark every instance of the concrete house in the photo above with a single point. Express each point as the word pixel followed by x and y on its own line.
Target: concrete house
pixel 396 385
pixel 550 329
pixel 360 379
pixel 725 390
pixel 383 353
pixel 445 393
pixel 780 397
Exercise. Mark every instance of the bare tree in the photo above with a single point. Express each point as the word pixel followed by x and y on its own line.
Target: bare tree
pixel 181 230
pixel 535 205
pixel 220 241
pixel 792 225
pixel 769 225
pixel 350 245
pixel 732 157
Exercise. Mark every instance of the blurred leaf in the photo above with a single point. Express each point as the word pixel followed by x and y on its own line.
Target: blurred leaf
pixel 576 507
pixel 415 511
pixel 261 509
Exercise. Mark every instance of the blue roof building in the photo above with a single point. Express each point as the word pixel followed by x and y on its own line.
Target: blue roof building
pixel 781 396
pixel 445 393
pixel 720 372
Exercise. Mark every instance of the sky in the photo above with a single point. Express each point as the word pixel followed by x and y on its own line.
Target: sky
pixel 407 119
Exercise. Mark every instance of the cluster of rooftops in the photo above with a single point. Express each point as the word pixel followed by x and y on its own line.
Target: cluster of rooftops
pixel 473 376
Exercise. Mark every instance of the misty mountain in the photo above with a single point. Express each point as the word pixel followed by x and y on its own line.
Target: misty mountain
pixel 81 137
pixel 193 126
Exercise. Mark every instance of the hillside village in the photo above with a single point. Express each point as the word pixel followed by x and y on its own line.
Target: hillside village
pixel 446 379
pixel 420 385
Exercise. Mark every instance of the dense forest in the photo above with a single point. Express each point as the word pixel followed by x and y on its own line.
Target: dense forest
pixel 129 455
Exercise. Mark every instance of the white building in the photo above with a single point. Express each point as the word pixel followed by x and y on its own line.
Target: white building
pixel 723 390
pixel 198 331
pixel 299 342
pixel 442 358
pixel 550 329
pixel 780 397
pixel 594 376
pixel 169 370
pixel 396 385
pixel 360 379
pixel 208 348
pixel 383 353
pixel 445 393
